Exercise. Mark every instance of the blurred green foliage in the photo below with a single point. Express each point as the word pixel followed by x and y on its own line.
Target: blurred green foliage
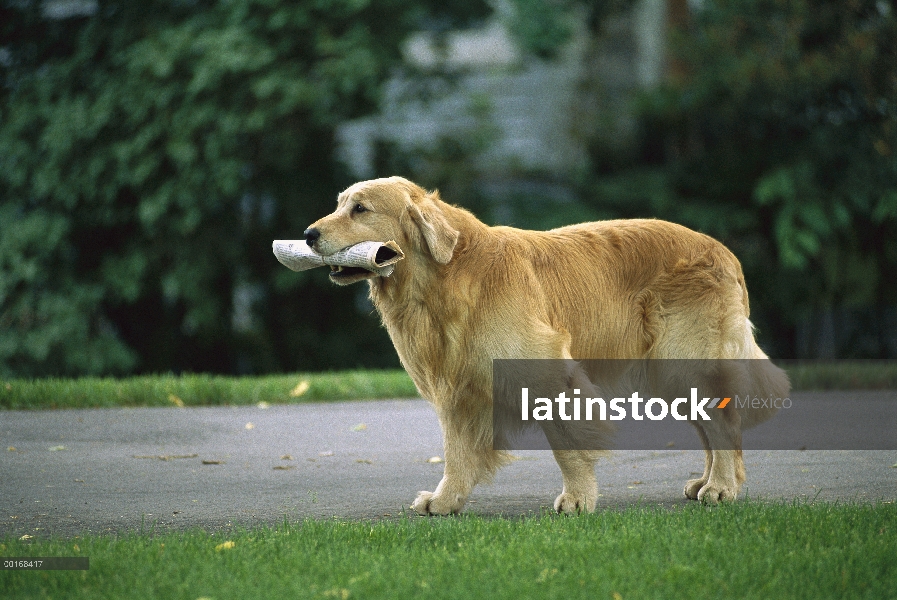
pixel 776 132
pixel 151 152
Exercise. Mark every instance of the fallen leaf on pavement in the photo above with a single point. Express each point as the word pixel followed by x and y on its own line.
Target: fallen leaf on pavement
pixel 166 456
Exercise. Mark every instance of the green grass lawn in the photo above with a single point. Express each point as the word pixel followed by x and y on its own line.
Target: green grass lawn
pixel 744 550
pixel 204 390
pixel 210 390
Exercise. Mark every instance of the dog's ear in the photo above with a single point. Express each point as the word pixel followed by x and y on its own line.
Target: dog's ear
pixel 439 235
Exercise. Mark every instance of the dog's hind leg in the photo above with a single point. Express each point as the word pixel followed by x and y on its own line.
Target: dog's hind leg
pixel 693 486
pixel 724 471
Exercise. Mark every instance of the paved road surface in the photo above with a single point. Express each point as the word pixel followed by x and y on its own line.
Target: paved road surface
pixel 97 471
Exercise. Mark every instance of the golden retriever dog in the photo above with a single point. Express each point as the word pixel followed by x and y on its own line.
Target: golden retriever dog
pixel 467 293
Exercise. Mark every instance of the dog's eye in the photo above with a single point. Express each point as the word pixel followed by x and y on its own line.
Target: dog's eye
pixel 358 208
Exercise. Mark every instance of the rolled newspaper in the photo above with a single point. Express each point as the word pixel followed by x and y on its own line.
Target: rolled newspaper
pixel 378 257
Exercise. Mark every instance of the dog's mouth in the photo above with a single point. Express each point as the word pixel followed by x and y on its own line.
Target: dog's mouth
pixel 346 275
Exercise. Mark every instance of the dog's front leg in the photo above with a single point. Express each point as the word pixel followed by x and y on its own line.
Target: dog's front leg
pixel 451 493
pixel 580 485
pixel 469 459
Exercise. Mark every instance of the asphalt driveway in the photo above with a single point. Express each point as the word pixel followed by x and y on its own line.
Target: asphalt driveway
pixel 103 470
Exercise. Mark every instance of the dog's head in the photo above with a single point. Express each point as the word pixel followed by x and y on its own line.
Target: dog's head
pixel 381 210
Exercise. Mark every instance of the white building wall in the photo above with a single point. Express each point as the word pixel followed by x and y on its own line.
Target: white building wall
pixel 536 108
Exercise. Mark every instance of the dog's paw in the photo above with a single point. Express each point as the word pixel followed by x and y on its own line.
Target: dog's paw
pixel 693 488
pixel 714 494
pixel 569 503
pixel 427 504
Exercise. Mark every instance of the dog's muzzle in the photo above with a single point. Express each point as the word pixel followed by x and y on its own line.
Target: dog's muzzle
pixel 311 236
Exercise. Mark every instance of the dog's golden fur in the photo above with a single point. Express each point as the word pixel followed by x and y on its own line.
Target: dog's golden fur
pixel 467 293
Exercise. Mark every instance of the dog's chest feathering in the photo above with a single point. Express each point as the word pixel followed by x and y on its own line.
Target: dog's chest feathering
pixel 431 336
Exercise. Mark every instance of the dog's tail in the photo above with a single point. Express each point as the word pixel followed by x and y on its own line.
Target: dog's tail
pixel 764 379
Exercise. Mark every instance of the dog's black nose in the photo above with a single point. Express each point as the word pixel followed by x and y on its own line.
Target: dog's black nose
pixel 311 236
